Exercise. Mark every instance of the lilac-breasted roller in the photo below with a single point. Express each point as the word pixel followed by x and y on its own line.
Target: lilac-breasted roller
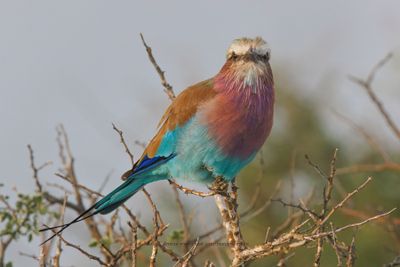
pixel 212 129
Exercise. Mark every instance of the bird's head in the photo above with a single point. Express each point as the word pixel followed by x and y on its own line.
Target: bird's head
pixel 245 50
pixel 247 61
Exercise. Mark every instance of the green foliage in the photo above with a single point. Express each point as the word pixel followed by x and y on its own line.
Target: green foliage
pixel 106 241
pixel 22 218
pixel 175 235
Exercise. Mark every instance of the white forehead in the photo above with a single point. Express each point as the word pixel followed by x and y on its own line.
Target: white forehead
pixel 245 45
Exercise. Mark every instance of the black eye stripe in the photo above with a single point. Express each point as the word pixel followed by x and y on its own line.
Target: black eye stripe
pixel 234 56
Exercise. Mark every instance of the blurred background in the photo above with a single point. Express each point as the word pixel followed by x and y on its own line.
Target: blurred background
pixel 82 64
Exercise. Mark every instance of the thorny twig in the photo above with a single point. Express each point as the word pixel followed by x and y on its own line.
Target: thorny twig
pixel 294 239
pixel 190 191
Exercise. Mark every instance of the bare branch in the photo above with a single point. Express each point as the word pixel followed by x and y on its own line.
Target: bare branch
pixel 167 87
pixel 355 225
pixel 134 242
pixel 84 252
pixel 394 263
pixel 34 169
pixel 227 206
pixel 135 220
pixel 156 220
pixel 336 247
pixel 367 85
pixel 56 258
pixel 312 213
pixel 316 167
pixel 351 258
pixel 340 204
pixel 378 66
pixel 184 220
pixel 318 254
pixel 188 256
pixel 191 191
pixel 371 140
pixel 69 169
pixel 387 166
pixel 122 140
pixel 293 240
pixel 329 185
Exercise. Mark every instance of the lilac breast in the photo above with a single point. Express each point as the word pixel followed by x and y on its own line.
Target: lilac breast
pixel 240 121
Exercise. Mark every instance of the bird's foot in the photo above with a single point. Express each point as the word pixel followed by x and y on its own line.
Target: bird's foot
pixel 219 186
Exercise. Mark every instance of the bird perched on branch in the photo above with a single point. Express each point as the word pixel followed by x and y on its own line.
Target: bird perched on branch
pixel 211 130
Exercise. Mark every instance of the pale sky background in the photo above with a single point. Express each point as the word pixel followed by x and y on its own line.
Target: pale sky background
pixel 81 63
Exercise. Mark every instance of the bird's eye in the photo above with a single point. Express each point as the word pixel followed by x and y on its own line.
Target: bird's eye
pixel 266 56
pixel 234 56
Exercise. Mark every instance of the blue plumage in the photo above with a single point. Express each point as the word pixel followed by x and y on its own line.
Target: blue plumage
pixel 140 176
pixel 198 157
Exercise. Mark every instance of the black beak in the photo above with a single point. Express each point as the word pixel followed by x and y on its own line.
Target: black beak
pixel 250 57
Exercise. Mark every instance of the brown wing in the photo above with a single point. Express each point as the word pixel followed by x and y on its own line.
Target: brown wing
pixel 178 113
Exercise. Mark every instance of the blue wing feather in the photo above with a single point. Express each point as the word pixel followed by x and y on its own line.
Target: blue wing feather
pixel 131 185
pixel 147 162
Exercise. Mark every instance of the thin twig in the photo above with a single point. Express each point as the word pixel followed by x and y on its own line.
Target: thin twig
pixel 188 256
pixel 394 263
pixel 367 85
pixel 56 258
pixel 335 246
pixel 123 142
pixel 191 191
pixel 356 225
pixel 84 252
pixel 371 140
pixel 315 166
pixel 167 87
pixel 299 206
pixel 133 227
pixel 294 240
pixel 34 169
pixel 341 203
pixel 351 258
pixel 184 220
pixel 329 185
pixel 156 220
pixel 379 167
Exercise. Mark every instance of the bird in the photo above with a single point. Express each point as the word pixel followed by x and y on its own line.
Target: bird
pixel 210 131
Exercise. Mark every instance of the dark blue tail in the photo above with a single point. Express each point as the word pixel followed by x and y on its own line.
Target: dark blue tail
pixel 138 178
